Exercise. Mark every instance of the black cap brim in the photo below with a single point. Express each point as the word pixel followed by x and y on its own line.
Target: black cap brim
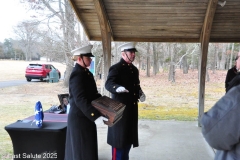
pixel 88 55
pixel 131 49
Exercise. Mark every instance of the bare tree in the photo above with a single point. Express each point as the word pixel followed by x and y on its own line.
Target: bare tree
pixel 223 57
pixel 116 54
pixel 27 32
pixel 231 57
pixel 183 60
pixel 2 56
pixel 214 59
pixel 171 74
pixel 155 59
pixel 18 52
pixel 148 60
pixel 59 17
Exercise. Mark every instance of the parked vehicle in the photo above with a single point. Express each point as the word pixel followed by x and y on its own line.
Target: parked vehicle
pixel 39 71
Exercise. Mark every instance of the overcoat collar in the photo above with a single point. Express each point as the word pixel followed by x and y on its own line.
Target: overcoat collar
pixel 124 63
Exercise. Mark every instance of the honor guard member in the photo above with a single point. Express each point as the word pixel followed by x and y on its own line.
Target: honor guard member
pixel 81 141
pixel 124 84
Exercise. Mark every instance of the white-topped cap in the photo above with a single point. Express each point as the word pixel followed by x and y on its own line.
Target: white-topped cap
pixel 128 47
pixel 84 51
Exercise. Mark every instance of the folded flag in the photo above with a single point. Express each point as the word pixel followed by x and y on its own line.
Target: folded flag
pixel 39 114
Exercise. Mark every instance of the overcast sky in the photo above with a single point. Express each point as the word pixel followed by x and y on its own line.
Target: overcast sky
pixel 11 13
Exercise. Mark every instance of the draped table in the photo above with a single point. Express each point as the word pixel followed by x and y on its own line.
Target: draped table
pixel 31 142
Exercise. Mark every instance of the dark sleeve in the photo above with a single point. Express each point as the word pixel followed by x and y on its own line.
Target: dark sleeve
pixel 140 89
pixel 78 90
pixel 234 82
pixel 227 79
pixel 140 92
pixel 112 80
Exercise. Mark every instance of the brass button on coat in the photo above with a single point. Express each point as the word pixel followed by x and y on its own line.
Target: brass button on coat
pixel 92 114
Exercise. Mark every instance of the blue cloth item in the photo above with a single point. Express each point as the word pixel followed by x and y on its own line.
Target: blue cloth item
pixel 39 114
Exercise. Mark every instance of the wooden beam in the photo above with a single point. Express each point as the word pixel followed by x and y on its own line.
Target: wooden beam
pixel 102 17
pixel 204 39
pixel 150 39
pixel 180 40
pixel 226 40
pixel 73 4
pixel 158 39
pixel 106 34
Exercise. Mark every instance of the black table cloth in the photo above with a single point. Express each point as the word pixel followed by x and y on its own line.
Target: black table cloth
pixel 31 142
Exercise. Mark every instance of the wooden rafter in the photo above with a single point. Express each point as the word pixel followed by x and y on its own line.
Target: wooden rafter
pixel 102 17
pixel 204 39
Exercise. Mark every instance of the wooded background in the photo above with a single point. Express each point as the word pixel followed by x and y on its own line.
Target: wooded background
pixel 54 31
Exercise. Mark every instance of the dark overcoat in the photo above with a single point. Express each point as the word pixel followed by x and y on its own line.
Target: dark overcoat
pixel 125 131
pixel 81 141
pixel 234 82
pixel 231 73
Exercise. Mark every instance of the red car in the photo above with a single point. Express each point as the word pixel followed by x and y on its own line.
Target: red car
pixel 39 71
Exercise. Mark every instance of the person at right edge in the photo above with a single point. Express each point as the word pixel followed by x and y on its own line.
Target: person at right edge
pixel 220 126
pixel 236 78
pixel 231 73
pixel 124 84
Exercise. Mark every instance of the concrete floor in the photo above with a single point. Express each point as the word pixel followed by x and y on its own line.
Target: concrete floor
pixel 163 140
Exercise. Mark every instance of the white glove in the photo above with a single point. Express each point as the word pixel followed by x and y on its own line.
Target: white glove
pixel 100 120
pixel 121 90
pixel 142 96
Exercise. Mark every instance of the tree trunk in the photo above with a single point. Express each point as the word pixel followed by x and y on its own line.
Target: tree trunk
pixel 68 33
pixel 117 54
pixel 223 59
pixel 231 57
pixel 214 60
pixel 148 60
pixel 217 58
pixel 185 65
pixel 139 63
pixel 171 75
pixel 67 74
pixel 155 60
pixel 192 62
pixel 99 70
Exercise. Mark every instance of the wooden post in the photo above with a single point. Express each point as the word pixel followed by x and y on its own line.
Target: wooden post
pixel 107 62
pixel 106 34
pixel 204 39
